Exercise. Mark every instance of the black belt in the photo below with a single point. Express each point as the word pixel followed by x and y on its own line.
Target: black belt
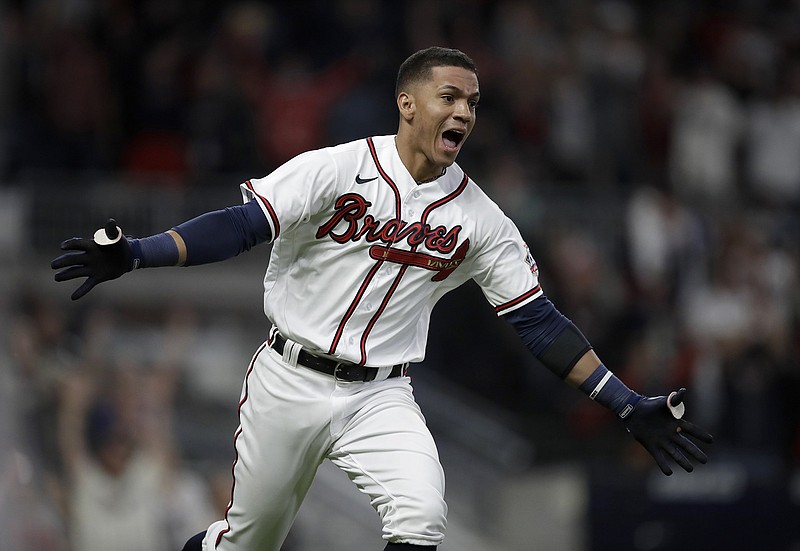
pixel 344 371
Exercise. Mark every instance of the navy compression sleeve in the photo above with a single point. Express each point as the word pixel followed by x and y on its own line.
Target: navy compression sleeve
pixel 549 335
pixel 210 237
pixel 558 344
pixel 223 234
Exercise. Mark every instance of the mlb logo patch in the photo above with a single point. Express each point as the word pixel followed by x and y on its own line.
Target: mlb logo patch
pixel 530 261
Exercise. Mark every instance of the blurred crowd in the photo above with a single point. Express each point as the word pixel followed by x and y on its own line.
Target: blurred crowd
pixel 649 152
pixel 118 424
pixel 698 96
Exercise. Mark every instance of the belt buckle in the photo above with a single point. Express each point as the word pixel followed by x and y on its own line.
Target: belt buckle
pixel 339 366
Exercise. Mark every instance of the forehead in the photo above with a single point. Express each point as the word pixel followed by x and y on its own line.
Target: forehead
pixel 457 78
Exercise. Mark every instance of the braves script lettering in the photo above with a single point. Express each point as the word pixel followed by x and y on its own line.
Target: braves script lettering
pixel 354 224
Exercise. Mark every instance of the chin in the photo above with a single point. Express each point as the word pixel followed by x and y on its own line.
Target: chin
pixel 447 155
pixel 449 158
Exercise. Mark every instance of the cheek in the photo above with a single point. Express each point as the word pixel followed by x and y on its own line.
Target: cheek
pixel 428 133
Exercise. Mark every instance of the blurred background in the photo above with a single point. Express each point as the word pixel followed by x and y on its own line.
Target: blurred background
pixel 648 151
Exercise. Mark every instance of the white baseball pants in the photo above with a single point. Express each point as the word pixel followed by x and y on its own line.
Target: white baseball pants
pixel 292 418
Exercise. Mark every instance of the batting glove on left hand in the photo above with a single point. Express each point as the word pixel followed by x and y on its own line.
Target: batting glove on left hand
pixel 658 425
pixel 103 258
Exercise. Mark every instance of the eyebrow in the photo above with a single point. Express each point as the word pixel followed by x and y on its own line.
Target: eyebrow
pixel 454 88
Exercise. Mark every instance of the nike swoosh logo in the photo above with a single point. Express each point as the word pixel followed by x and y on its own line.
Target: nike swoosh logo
pixel 360 180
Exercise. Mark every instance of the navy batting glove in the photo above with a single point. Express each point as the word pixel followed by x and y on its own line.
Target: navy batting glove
pixel 658 425
pixel 103 258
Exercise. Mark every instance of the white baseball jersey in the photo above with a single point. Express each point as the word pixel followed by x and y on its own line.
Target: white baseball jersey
pixel 362 252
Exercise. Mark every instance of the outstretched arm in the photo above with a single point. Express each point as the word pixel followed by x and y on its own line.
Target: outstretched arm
pixel 656 422
pixel 210 237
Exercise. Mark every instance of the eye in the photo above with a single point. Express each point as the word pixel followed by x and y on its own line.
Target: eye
pixel 448 98
pixel 473 104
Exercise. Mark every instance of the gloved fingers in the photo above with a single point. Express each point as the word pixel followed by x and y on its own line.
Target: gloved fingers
pixel 69 259
pixel 77 244
pixel 73 272
pixel 661 460
pixel 690 448
pixel 87 286
pixel 695 431
pixel 675 453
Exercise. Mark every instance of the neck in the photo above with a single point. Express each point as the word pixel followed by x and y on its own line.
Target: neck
pixel 432 178
pixel 417 164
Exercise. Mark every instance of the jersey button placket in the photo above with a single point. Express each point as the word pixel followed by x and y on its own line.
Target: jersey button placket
pixel 410 208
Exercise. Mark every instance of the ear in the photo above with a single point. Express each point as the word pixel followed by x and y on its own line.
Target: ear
pixel 406 105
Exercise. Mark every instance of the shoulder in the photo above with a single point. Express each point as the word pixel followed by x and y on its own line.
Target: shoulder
pixel 489 220
pixel 475 193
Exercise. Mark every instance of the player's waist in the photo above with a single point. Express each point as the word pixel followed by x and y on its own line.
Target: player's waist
pixel 294 354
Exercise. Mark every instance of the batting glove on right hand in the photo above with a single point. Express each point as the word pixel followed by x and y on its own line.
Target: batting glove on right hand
pixel 658 425
pixel 103 258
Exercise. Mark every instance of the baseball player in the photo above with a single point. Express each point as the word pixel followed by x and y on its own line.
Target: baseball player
pixel 366 237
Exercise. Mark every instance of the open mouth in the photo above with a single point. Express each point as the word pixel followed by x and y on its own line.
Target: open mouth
pixel 452 138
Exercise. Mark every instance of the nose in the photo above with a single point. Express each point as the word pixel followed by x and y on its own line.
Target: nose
pixel 462 111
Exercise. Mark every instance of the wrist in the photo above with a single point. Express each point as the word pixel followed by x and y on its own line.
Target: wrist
pixel 608 390
pixel 135 260
pixel 154 251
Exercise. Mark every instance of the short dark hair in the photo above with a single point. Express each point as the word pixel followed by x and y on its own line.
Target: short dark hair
pixel 419 64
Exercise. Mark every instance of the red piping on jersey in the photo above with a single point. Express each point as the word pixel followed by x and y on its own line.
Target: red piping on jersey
pixel 423 219
pixel 385 176
pixel 523 297
pixel 446 199
pixel 378 313
pixel 269 209
pixel 361 290
pixel 337 337
pixel 236 437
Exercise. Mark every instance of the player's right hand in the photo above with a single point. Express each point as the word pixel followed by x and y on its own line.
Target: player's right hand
pixel 103 258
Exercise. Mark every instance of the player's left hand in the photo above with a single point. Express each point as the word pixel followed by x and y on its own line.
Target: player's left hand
pixel 658 425
pixel 107 256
